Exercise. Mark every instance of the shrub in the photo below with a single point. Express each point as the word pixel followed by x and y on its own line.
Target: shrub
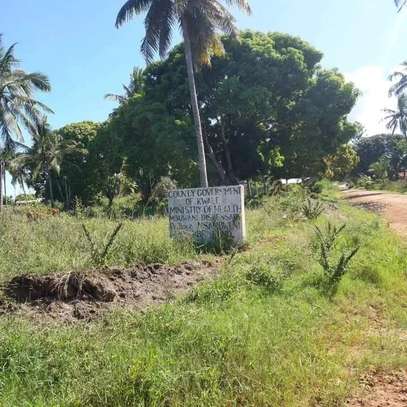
pixel 98 251
pixel 220 240
pixel 334 269
pixel 158 199
pixel 312 209
pixel 266 276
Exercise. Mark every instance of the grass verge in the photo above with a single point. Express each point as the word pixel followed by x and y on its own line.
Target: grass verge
pixel 264 334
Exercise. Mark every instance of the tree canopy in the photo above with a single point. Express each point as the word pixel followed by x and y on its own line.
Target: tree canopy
pixel 267 93
pixel 382 148
pixel 268 109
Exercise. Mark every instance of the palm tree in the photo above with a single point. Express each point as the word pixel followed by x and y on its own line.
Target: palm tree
pixel 135 87
pixel 200 21
pixel 18 108
pixel 401 76
pixel 400 3
pixel 19 174
pixel 398 118
pixel 7 154
pixel 43 159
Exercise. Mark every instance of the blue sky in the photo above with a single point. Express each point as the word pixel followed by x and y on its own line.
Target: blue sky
pixel 76 44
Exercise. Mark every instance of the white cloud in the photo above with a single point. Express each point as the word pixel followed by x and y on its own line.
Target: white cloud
pixel 373 82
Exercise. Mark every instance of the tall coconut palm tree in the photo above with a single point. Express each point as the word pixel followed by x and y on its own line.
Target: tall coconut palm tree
pixel 398 118
pixel 400 85
pixel 18 107
pixel 135 86
pixel 200 21
pixel 43 159
pixel 7 154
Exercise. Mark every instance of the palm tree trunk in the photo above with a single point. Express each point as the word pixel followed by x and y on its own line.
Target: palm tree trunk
pixel 5 184
pixel 1 185
pixel 51 191
pixel 195 107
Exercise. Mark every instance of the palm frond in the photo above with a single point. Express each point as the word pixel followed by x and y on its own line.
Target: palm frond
pixel 400 4
pixel 206 19
pixel 115 98
pixel 8 60
pixel 241 4
pixel 397 118
pixel 17 104
pixel 159 21
pixel 400 85
pixel 130 9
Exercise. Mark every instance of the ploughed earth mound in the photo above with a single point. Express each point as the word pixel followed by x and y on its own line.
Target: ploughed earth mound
pixel 382 390
pixel 86 295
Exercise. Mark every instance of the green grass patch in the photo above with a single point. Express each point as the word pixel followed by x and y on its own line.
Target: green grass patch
pixel 265 333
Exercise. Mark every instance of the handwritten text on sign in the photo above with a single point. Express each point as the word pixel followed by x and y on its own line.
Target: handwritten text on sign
pixel 199 211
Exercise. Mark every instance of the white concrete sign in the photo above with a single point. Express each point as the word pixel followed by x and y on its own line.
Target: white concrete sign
pixel 199 212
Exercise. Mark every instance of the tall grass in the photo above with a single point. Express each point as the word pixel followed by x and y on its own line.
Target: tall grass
pixel 58 243
pixel 263 334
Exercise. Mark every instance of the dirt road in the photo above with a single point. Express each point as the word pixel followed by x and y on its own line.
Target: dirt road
pixel 392 206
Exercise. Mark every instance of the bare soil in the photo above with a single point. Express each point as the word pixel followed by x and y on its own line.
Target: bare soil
pixel 392 206
pixel 380 389
pixel 84 296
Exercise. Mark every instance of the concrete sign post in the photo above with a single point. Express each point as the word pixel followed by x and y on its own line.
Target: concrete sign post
pixel 200 212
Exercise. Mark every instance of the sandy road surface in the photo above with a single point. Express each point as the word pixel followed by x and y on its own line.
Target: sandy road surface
pixel 392 206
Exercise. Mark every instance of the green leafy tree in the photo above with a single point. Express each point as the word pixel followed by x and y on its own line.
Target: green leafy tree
pixel 18 107
pixel 152 143
pixel 265 111
pixel 200 21
pixel 106 159
pixel 342 163
pixel 72 181
pixel 267 90
pixel 371 149
pixel 381 168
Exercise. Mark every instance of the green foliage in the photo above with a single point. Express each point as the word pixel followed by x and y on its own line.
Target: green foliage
pixel 292 201
pixel 35 240
pixel 397 119
pixel 158 199
pixel 342 163
pixel 267 277
pixel 220 240
pixel 256 335
pixel 73 180
pixel 272 339
pixel 334 269
pixel 264 112
pixel 365 181
pixel 261 115
pixel 25 197
pixel 99 252
pixel 42 162
pixel 153 143
pixel 312 209
pixel 17 102
pixel 371 150
pixel 381 168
